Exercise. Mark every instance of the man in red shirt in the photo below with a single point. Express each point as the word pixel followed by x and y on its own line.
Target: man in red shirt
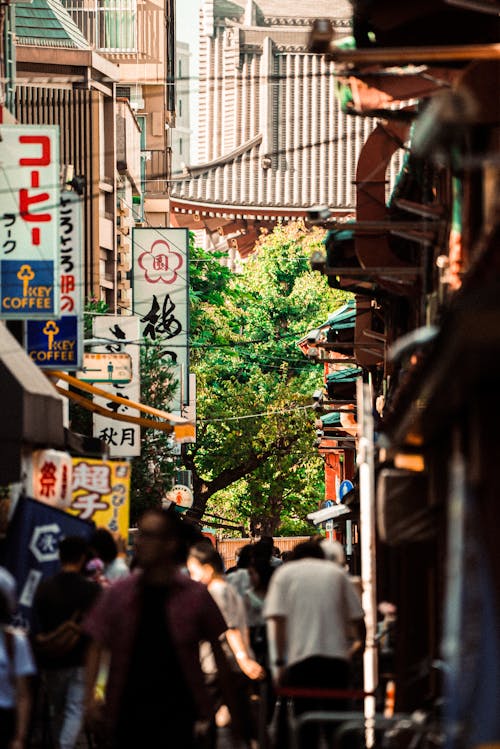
pixel 151 624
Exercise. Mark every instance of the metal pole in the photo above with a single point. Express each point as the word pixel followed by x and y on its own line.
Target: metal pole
pixel 365 461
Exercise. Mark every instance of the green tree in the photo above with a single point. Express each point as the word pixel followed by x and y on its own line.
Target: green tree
pixel 153 470
pixel 255 425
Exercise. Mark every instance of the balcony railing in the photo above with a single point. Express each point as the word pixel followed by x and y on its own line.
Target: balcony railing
pixel 108 25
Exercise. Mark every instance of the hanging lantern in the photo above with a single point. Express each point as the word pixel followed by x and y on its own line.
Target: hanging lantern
pixel 51 477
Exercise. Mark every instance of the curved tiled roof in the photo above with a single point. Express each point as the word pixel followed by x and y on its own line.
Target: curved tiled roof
pixel 305 8
pixel 267 9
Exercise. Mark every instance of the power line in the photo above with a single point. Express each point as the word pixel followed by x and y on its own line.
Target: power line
pixel 254 416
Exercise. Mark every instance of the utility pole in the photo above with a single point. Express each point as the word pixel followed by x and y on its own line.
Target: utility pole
pixel 365 460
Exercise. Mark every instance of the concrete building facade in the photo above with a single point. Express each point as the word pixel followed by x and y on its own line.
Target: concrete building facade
pixel 181 134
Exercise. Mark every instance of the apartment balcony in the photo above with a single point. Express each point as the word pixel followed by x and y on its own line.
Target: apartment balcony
pixel 110 26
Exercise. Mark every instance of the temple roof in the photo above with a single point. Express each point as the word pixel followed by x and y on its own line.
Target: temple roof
pixel 264 10
pixel 305 8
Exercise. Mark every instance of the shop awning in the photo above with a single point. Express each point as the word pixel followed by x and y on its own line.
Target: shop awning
pixel 331 419
pixel 343 318
pixel 32 411
pixel 341 385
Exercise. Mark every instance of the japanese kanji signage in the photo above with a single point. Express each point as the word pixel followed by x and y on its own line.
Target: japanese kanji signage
pixel 161 288
pixel 101 493
pixel 123 440
pixel 36 529
pixel 29 222
pixel 50 477
pixel 59 343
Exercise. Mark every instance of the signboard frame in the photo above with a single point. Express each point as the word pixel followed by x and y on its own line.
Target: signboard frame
pixel 29 224
pixel 161 297
pixel 110 362
pixel 52 344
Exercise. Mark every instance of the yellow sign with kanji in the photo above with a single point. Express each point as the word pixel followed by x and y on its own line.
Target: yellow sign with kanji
pixel 101 493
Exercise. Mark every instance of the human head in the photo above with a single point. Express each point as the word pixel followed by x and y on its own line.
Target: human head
pixel 277 552
pixel 286 556
pixel 308 550
pixel 8 600
pixel 104 545
pixel 264 547
pixel 267 541
pixel 204 562
pixel 160 540
pixel 333 551
pixel 244 556
pixel 73 551
pixel 260 571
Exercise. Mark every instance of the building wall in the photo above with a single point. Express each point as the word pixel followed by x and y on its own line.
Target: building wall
pixel 181 134
pixel 137 37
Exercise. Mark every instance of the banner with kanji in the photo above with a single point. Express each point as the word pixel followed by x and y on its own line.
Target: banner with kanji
pixel 122 438
pixel 29 222
pixel 101 493
pixel 161 299
pixel 31 550
pixel 59 343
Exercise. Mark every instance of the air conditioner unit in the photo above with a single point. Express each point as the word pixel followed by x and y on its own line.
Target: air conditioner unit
pixel 137 104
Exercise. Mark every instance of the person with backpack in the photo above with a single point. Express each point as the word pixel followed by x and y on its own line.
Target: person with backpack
pixel 60 603
pixel 16 668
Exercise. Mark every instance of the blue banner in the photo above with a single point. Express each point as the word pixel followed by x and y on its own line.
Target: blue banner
pixel 31 547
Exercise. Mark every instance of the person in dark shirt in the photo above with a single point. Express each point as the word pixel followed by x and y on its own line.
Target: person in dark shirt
pixel 156 697
pixel 66 595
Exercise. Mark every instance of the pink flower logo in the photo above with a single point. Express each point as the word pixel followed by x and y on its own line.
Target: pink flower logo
pixel 160 263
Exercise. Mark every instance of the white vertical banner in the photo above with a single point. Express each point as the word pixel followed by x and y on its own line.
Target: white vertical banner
pixel 59 343
pixel 29 222
pixel 161 298
pixel 122 438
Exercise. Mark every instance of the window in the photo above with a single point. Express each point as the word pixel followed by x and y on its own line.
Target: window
pixel 180 146
pixel 179 69
pixel 179 107
pixel 119 19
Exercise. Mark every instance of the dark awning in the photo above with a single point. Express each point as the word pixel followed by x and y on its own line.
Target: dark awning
pixel 341 385
pixel 31 410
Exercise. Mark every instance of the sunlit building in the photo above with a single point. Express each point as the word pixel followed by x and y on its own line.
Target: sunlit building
pixel 273 139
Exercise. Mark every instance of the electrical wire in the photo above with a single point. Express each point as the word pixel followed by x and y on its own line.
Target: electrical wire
pixel 258 415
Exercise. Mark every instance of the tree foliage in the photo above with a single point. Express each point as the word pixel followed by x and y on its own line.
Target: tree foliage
pixel 153 470
pixel 254 458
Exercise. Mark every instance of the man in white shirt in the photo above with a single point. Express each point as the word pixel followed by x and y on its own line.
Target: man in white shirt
pixel 311 607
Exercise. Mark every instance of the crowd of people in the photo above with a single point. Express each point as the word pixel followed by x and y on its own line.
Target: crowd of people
pixel 170 649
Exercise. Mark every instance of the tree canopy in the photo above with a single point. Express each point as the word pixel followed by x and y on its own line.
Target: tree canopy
pixel 254 459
